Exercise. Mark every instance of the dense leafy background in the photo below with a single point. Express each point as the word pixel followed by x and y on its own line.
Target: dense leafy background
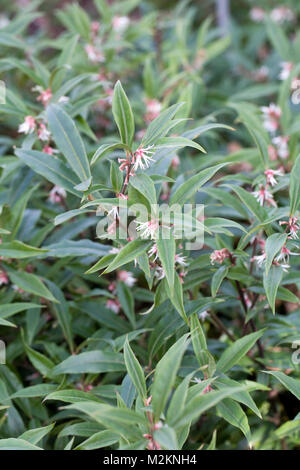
pixel 210 334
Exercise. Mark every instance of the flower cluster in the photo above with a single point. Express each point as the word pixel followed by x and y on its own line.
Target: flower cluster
pixel 271 116
pixel 218 256
pixel 263 195
pixel 279 14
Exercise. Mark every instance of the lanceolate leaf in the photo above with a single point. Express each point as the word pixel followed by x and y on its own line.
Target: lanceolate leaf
pixel 107 148
pixel 200 404
pixel 13 443
pixel 274 244
pixel 271 283
pixel 294 187
pixel 123 114
pixel 30 283
pixel 144 184
pixel 234 353
pixel 193 184
pixel 69 141
pixel 293 385
pixel 198 339
pixel 178 142
pixel 217 279
pixel 128 253
pixel 160 126
pixel 17 249
pixel 165 375
pixel 91 362
pixel 135 371
pixel 166 251
pixel 233 413
pixel 52 169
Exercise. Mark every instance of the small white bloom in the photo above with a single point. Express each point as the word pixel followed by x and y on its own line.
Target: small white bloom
pixel 153 251
pixel 93 54
pixel 271 115
pixel 28 126
pixel 203 315
pixel 286 68
pixel 285 267
pixel 284 255
pixel 281 144
pixel 4 21
pixel 257 14
pixel 270 174
pixel 57 194
pixel 113 305
pixel 159 273
pixel 181 260
pixel 282 14
pixel 260 259
pixel 114 250
pixel 64 99
pixel 263 195
pixel 148 229
pixel 127 277
pixel 142 157
pixel 295 84
pixel 114 212
pixel 43 133
pixel 120 23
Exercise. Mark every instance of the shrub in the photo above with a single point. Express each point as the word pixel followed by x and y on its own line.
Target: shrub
pixel 149 197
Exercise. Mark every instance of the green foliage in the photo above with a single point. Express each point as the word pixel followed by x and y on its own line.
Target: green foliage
pixel 149 205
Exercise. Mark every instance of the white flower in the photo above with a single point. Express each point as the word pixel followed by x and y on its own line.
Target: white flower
pixel 148 229
pixel 295 84
pixel 120 23
pixel 263 195
pixel 114 212
pixel 64 99
pixel 28 126
pixel 218 256
pixel 159 273
pixel 282 14
pixel 113 305
pixel 43 132
pixel 285 267
pixel 260 259
pixel 153 251
pixel 271 115
pixel 49 150
pixel 153 108
pixel 142 157
pixel 257 14
pixel 270 176
pixel 127 277
pixel 44 95
pixel 114 250
pixel 57 194
pixel 261 74
pixel 203 315
pixel 4 21
pixel 284 255
pixel 181 260
pixel 281 144
pixel 286 68
pixel 93 54
pixel 3 278
pixel 292 226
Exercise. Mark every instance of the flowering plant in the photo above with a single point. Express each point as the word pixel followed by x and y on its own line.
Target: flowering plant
pixel 149 210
